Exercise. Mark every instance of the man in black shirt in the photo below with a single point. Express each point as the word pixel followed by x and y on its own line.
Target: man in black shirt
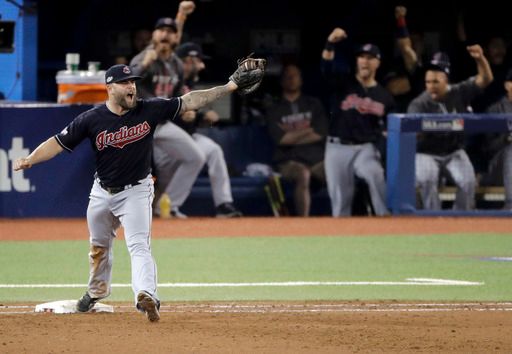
pixel 359 106
pixel 438 151
pixel 298 126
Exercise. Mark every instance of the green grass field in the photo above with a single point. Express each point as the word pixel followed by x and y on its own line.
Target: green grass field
pixel 276 259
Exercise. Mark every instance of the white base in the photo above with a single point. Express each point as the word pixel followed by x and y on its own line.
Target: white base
pixel 69 306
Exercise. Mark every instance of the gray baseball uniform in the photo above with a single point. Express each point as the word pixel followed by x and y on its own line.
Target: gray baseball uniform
pixel 357 121
pixel 438 151
pixel 171 143
pixel 122 192
pixel 503 157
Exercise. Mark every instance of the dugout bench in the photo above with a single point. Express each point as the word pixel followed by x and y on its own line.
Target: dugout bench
pixel 243 145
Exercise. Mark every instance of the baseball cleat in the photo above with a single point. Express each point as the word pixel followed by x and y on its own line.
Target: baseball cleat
pixel 176 213
pixel 227 210
pixel 86 303
pixel 146 303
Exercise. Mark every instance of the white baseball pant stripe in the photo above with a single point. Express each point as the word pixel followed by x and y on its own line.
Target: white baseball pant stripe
pixel 130 208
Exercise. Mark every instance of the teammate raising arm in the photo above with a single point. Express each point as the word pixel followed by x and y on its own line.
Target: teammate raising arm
pixel 121 132
pixel 359 105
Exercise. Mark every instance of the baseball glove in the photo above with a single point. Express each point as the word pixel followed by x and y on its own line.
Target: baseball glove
pixel 249 74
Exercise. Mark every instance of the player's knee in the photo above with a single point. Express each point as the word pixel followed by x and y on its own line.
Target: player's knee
pixel 198 158
pixel 426 180
pixel 217 151
pixel 303 176
pixel 138 248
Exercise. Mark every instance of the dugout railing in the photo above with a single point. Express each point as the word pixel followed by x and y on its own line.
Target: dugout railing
pixel 400 162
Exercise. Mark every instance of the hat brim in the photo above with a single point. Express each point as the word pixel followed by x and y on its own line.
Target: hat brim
pixel 128 78
pixel 174 28
pixel 434 67
pixel 369 53
pixel 202 57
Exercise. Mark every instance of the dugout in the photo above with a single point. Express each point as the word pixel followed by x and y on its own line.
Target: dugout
pixel 400 164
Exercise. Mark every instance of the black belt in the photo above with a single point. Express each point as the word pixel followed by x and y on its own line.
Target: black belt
pixel 336 140
pixel 115 190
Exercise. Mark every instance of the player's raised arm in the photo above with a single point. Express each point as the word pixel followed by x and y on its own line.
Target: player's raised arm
pixel 200 98
pixel 337 35
pixel 44 152
pixel 484 76
pixel 184 10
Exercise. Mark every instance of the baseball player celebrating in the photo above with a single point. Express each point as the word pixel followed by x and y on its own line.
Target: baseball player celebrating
pixel 121 132
pixel 192 56
pixel 162 76
pixel 358 109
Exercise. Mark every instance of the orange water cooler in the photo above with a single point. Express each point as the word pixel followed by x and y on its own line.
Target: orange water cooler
pixel 81 86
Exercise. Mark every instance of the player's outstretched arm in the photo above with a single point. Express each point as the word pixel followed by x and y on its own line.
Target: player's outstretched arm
pixel 246 78
pixel 46 151
pixel 200 98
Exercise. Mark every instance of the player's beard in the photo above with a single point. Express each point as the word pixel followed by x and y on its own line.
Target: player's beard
pixel 127 102
pixel 164 48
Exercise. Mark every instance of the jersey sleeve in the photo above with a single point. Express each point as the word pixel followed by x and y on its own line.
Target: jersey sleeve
pixel 415 106
pixel 73 134
pixel 165 108
pixel 468 89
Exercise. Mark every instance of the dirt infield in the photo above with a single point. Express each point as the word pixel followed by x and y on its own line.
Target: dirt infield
pixel 290 327
pixel 265 328
pixel 76 229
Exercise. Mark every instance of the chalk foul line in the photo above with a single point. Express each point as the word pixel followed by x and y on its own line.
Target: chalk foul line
pixel 407 282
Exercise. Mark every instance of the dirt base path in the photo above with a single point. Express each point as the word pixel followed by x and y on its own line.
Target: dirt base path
pixel 288 327
pixel 266 328
pixel 76 229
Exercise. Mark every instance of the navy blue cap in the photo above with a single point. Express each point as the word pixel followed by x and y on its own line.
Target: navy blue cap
pixel 166 22
pixel 369 48
pixel 118 73
pixel 440 62
pixel 190 49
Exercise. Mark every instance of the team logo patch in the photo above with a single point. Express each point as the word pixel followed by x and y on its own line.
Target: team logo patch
pixel 364 105
pixel 110 78
pixel 123 136
pixel 127 70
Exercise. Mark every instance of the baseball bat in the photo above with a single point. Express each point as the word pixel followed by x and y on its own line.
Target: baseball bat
pixel 271 201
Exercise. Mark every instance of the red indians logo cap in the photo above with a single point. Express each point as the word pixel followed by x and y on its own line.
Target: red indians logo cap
pixel 118 73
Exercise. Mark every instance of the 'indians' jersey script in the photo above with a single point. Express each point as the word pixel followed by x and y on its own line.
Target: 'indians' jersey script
pixel 123 136
pixel 364 105
pixel 123 144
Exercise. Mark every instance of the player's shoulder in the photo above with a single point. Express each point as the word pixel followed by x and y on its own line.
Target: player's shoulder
pixel 92 112
pixel 420 104
pixel 159 109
